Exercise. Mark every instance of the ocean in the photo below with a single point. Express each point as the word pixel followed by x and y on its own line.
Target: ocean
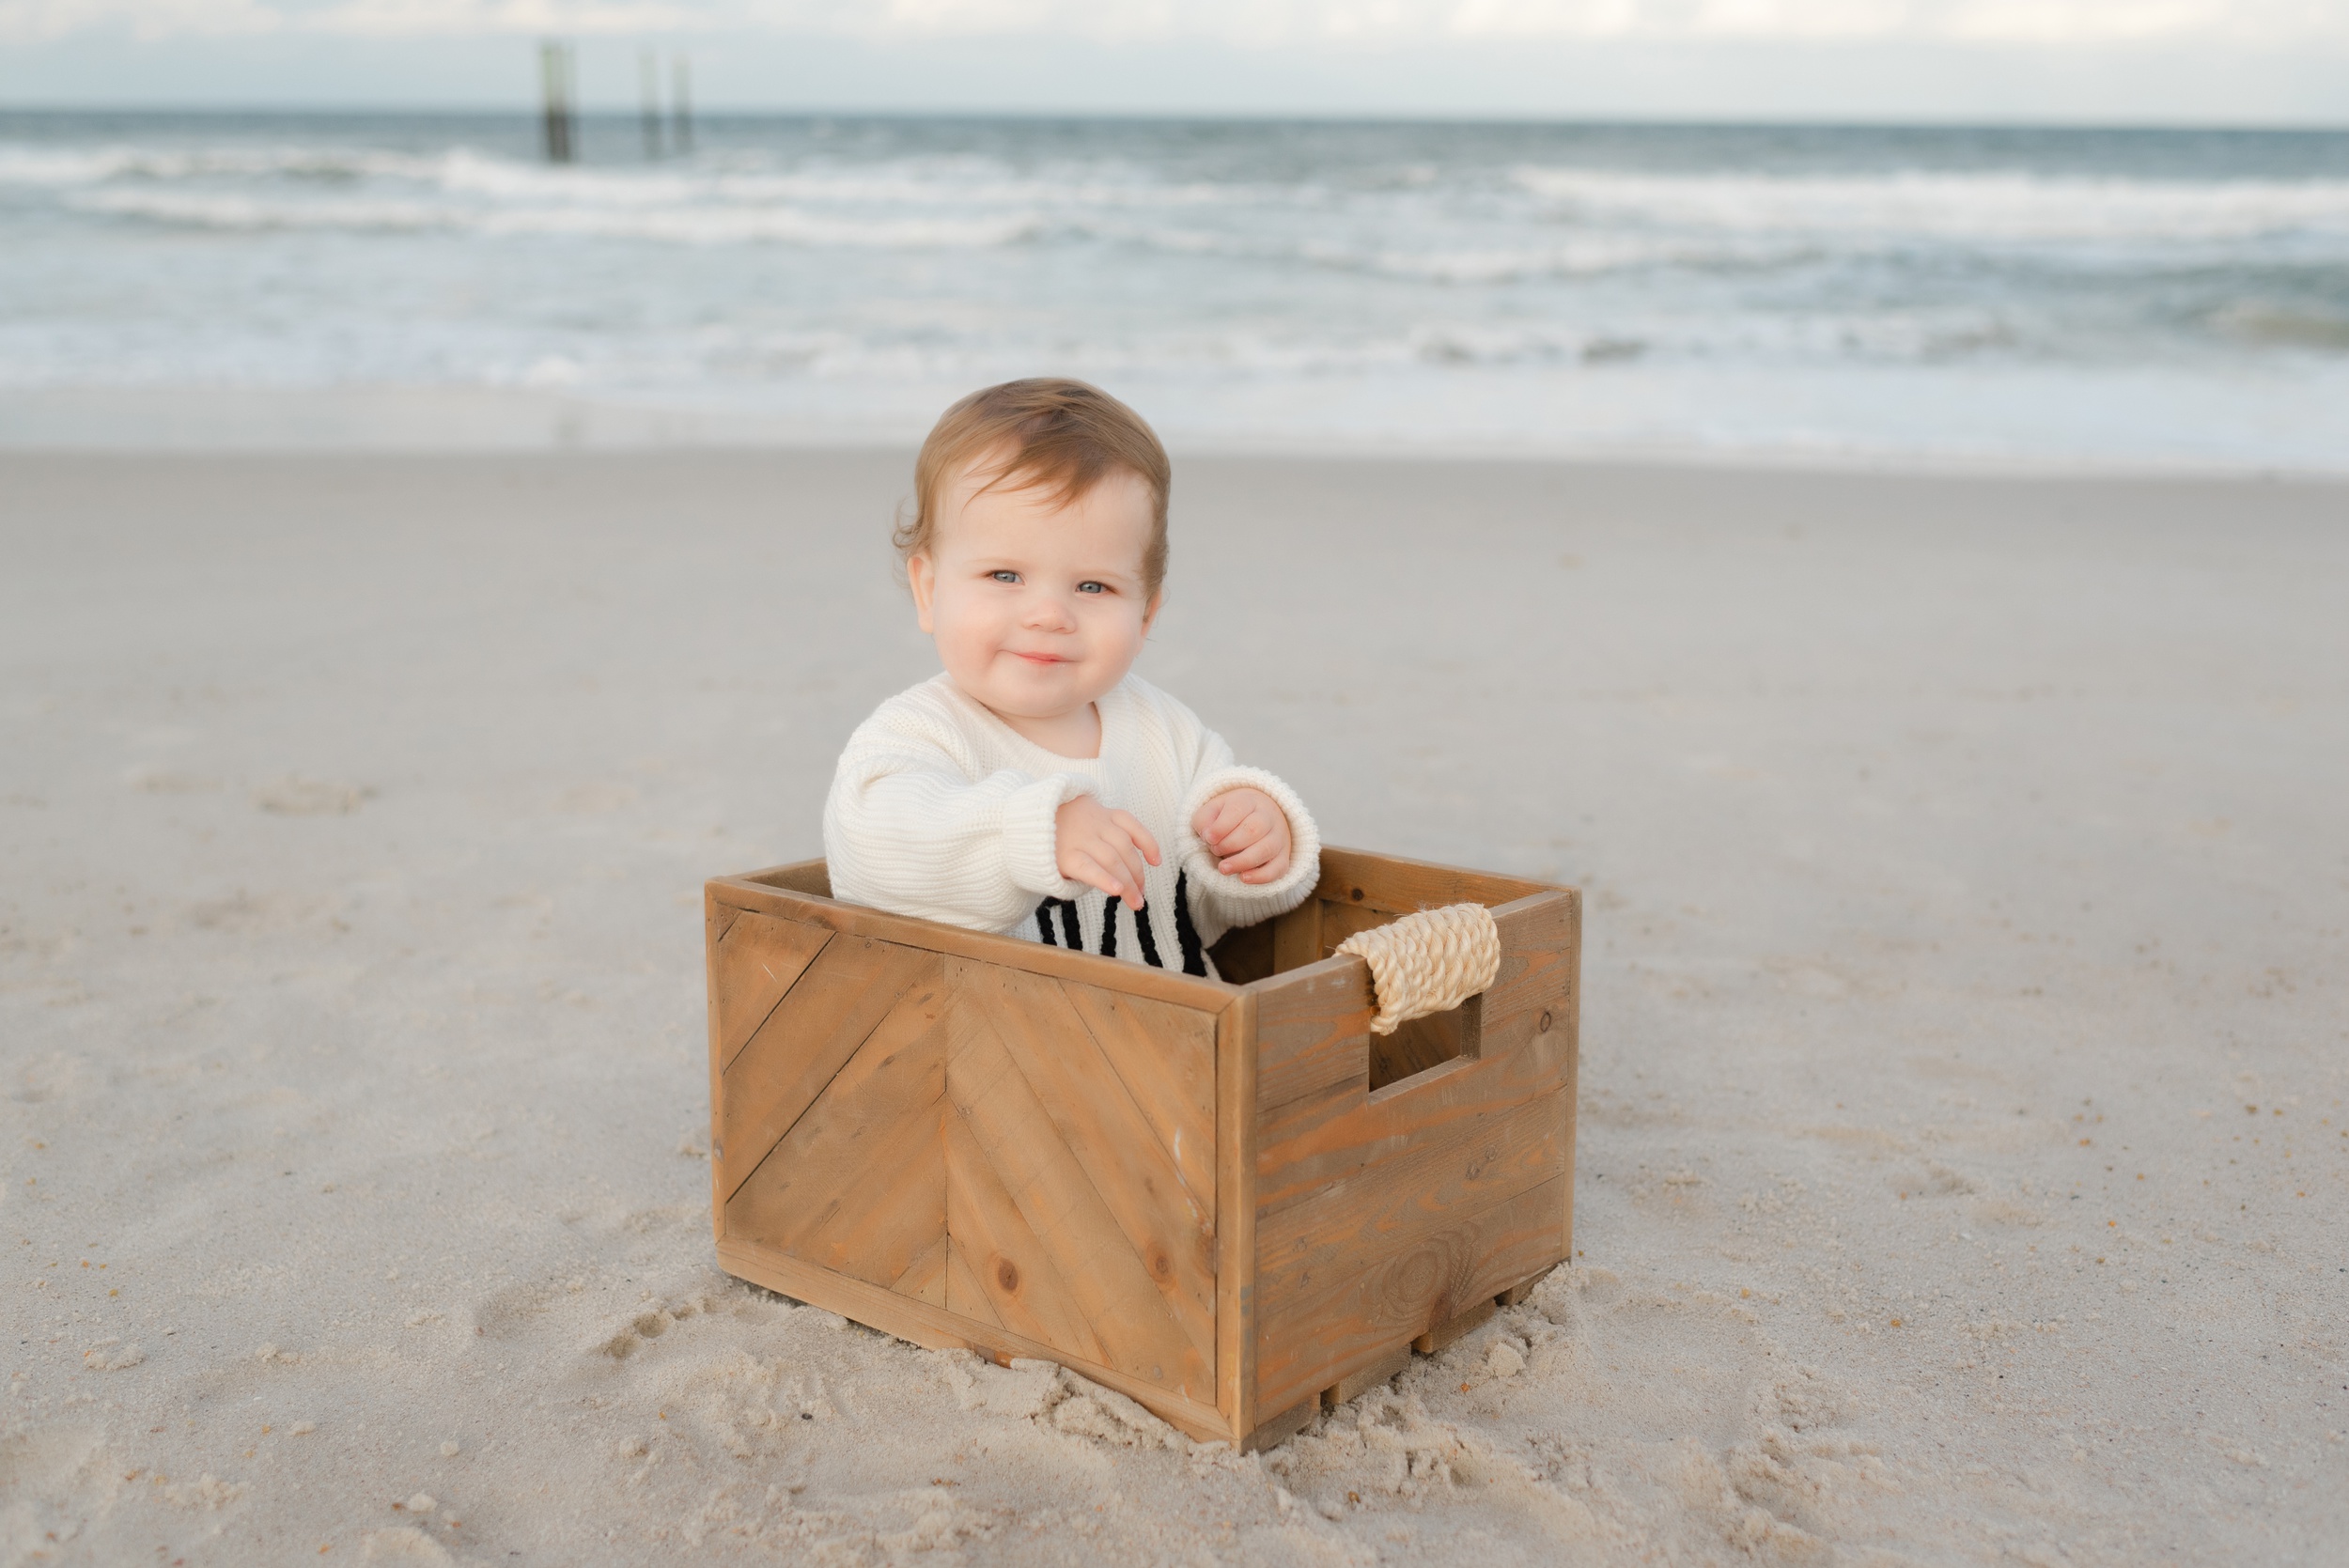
pixel 2125 298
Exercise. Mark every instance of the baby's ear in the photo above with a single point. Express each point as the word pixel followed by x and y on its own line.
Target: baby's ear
pixel 1157 603
pixel 922 577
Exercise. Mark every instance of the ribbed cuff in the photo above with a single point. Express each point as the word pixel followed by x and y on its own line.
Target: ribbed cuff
pixel 1031 834
pixel 1304 841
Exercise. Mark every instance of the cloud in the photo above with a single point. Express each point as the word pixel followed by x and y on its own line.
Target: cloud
pixel 1241 22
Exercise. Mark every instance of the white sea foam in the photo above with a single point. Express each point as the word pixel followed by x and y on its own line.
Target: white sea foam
pixel 1975 208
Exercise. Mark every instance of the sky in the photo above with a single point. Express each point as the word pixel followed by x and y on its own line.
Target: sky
pixel 2250 62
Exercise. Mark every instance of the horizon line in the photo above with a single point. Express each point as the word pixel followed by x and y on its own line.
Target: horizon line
pixel 1301 116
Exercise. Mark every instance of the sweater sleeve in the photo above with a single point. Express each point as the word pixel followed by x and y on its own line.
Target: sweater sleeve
pixel 907 829
pixel 1230 901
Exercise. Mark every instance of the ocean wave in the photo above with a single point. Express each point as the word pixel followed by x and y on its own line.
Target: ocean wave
pixel 686 226
pixel 1968 207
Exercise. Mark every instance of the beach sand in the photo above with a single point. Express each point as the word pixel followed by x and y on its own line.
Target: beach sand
pixel 1964 1143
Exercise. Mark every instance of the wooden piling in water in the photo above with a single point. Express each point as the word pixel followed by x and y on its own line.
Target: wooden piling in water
pixel 648 83
pixel 680 106
pixel 557 75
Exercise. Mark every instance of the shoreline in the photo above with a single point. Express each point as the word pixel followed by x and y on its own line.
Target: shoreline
pixel 426 422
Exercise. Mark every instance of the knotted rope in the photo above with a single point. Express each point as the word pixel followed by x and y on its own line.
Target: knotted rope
pixel 1427 962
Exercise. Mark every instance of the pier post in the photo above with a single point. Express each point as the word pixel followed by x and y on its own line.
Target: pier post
pixel 649 82
pixel 680 104
pixel 556 77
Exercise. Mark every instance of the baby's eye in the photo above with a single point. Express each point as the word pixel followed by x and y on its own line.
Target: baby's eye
pixel 1093 587
pixel 1004 576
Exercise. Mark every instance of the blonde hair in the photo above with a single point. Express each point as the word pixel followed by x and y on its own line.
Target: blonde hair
pixel 1060 435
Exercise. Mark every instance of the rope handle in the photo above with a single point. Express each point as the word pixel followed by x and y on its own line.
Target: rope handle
pixel 1427 962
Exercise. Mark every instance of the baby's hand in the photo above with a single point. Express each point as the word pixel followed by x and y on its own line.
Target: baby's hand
pixel 1103 848
pixel 1248 833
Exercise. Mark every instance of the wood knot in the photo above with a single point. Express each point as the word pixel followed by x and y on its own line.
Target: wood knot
pixel 1161 1266
pixel 1006 1274
pixel 1543 1027
pixel 1358 895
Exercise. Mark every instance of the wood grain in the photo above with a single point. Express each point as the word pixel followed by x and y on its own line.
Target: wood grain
pixel 1015 1274
pixel 1235 1032
pixel 859 1182
pixel 1012 1038
pixel 924 1278
pixel 1367 1312
pixel 1394 1202
pixel 757 958
pixel 852 988
pixel 1068 1041
pixel 1400 886
pixel 1164 1056
pixel 1296 937
pixel 1444 1335
pixel 813 878
pixel 1541 951
pixel 1309 1143
pixel 1116 974
pixel 925 1325
pixel 1313 1031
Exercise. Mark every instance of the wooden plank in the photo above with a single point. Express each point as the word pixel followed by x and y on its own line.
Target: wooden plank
pixel 1519 1294
pixel 1235 1057
pixel 1365 1313
pixel 808 876
pixel 1313 1031
pixel 1341 921
pixel 1165 1058
pixel 993 1047
pixel 1400 886
pixel 1453 1330
pixel 1014 1273
pixel 859 1183
pixel 1244 953
pixel 1541 945
pixel 1461 1166
pixel 1421 1044
pixel 1309 1143
pixel 1296 937
pixel 1380 1370
pixel 718 918
pixel 1167 1226
pixel 853 989
pixel 752 965
pixel 1114 975
pixel 941 1329
pixel 964 1296
pixel 1280 1428
pixel 924 1278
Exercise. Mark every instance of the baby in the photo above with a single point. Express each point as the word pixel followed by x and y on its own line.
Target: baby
pixel 1035 787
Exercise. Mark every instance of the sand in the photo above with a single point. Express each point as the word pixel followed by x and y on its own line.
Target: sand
pixel 1963 1144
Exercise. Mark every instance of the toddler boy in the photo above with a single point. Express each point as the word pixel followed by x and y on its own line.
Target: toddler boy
pixel 1034 785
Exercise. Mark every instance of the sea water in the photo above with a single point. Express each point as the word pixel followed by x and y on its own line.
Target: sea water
pixel 2139 298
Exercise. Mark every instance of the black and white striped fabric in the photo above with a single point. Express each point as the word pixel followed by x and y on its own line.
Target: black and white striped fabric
pixel 1060 922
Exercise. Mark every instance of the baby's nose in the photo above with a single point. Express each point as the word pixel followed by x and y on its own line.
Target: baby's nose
pixel 1050 612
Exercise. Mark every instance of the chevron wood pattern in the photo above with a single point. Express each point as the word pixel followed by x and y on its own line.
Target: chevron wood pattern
pixel 1066 1196
pixel 1217 1198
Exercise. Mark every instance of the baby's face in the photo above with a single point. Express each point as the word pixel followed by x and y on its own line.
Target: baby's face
pixel 1038 608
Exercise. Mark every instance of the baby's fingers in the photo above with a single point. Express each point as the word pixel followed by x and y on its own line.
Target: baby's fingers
pixel 1213 820
pixel 1254 857
pixel 1139 834
pixel 1085 868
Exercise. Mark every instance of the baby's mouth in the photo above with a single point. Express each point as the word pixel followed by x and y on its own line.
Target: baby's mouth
pixel 1042 658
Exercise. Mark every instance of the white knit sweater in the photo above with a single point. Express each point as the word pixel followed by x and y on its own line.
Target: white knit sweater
pixel 941 810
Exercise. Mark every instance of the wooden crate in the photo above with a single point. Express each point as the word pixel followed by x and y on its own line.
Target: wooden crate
pixel 1225 1199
